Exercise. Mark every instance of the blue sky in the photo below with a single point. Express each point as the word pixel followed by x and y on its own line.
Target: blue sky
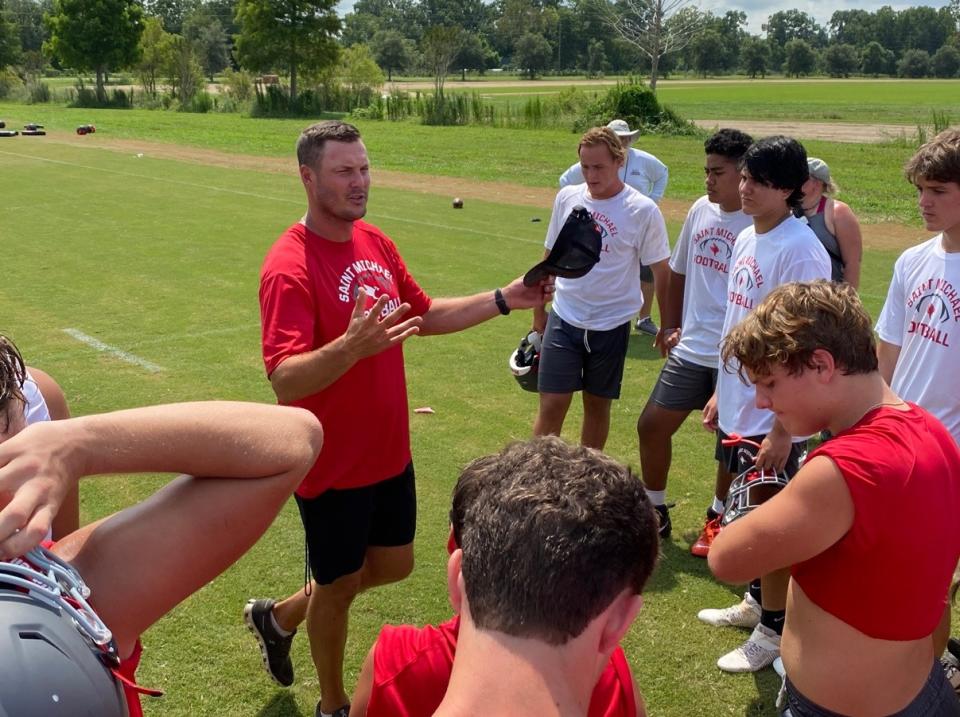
pixel 758 10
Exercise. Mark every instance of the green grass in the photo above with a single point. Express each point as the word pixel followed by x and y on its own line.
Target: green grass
pixel 870 174
pixel 161 259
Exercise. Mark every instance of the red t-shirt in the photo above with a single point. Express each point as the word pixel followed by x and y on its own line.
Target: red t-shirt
pixel 412 666
pixel 308 286
pixel 888 576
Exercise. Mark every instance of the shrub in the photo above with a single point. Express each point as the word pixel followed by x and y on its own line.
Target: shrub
pixel 37 92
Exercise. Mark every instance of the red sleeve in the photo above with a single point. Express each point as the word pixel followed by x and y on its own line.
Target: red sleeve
pixel 287 314
pixel 613 694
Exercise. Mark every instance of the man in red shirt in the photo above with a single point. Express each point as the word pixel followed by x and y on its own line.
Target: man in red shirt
pixel 866 592
pixel 336 304
pixel 407 670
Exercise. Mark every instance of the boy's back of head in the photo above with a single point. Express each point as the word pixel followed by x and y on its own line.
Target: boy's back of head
pixel 553 535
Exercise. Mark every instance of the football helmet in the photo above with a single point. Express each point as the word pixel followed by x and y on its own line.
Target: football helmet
pixel 752 487
pixel 56 654
pixel 524 361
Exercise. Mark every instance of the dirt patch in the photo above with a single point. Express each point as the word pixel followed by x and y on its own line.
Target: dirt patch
pixel 885 235
pixel 828 131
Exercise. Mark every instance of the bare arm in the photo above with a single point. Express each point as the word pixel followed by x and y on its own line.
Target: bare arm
pixel 812 513
pixel 367 334
pixel 361 693
pixel 775 448
pixel 850 240
pixel 887 356
pixel 661 283
pixel 540 312
pixel 43 462
pixel 68 517
pixel 449 315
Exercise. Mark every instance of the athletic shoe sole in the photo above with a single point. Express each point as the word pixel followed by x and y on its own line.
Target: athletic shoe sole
pixel 252 626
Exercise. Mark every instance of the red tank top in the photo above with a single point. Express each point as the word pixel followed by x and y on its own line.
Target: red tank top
pixel 888 576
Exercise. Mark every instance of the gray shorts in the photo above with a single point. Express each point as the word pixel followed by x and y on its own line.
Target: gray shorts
pixel 575 359
pixel 683 385
pixel 737 459
pixel 646 273
pixel 935 699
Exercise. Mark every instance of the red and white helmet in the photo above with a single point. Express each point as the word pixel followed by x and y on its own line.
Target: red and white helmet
pixel 752 487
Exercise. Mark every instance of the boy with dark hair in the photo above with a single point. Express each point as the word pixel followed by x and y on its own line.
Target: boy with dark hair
pixel 555 552
pixel 866 593
pixel 699 268
pixel 919 346
pixel 407 670
pixel 777 249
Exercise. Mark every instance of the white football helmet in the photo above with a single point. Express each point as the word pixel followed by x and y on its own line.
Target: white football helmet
pixel 524 361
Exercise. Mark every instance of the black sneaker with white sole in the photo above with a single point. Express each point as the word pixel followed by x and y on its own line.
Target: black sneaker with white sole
pixel 274 647
pixel 663 517
pixel 342 712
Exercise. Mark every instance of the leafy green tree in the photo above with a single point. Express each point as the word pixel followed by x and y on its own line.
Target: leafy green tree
pixel 297 35
pixel 474 54
pixel 98 35
pixel 914 63
pixel 708 51
pixel 755 56
pixel 360 71
pixel 876 59
pixel 360 28
pixel 172 13
pixel 924 28
pixel 841 60
pixel 440 45
pixel 596 59
pixel 156 54
pixel 9 39
pixel 27 15
pixel 184 69
pixel 800 58
pixel 204 30
pixel 852 27
pixel 532 54
pixel 391 51
pixel 946 61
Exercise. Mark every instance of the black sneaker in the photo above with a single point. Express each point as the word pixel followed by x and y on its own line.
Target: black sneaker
pixel 663 516
pixel 274 648
pixel 342 712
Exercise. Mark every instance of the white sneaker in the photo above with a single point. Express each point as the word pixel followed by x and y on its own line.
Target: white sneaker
pixel 746 613
pixel 759 651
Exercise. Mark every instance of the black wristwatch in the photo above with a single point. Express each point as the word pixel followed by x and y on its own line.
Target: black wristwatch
pixel 501 302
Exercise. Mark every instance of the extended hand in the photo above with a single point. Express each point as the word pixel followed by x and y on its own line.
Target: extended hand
pixel 774 451
pixel 368 334
pixel 666 339
pixel 519 296
pixel 709 414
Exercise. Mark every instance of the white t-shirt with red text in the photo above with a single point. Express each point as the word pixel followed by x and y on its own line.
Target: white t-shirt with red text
pixel 921 316
pixel 760 263
pixel 702 254
pixel 632 231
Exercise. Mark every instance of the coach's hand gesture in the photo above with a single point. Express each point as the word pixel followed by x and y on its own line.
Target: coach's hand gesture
pixel 367 334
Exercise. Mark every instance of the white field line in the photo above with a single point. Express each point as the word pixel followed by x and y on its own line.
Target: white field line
pixel 265 197
pixel 112 350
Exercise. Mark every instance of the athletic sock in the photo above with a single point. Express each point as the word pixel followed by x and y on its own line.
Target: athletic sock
pixel 276 626
pixel 657 497
pixel 717 506
pixel 773 620
pixel 754 590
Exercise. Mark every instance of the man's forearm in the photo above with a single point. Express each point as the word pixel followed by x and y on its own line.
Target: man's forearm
pixel 305 374
pixel 671 312
pixel 449 315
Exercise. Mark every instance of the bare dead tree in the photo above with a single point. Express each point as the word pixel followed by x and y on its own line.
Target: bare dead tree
pixel 655 27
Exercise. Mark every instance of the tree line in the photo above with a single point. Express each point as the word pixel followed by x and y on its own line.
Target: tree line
pixel 176 43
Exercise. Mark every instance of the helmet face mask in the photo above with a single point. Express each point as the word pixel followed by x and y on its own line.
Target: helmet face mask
pixel 749 490
pixel 56 654
pixel 524 361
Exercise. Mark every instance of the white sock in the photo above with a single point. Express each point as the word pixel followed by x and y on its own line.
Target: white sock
pixel 657 497
pixel 717 506
pixel 276 626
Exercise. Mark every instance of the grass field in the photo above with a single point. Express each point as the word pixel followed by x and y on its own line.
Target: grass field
pixel 906 102
pixel 160 258
pixel 869 174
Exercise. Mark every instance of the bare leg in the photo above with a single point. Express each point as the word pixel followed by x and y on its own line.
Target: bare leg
pixel 552 412
pixel 655 429
pixel 722 486
pixel 328 615
pixel 596 421
pixel 647 290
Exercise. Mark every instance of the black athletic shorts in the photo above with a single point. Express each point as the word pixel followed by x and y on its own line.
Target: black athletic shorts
pixel 575 359
pixel 341 524
pixel 683 385
pixel 646 273
pixel 737 459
